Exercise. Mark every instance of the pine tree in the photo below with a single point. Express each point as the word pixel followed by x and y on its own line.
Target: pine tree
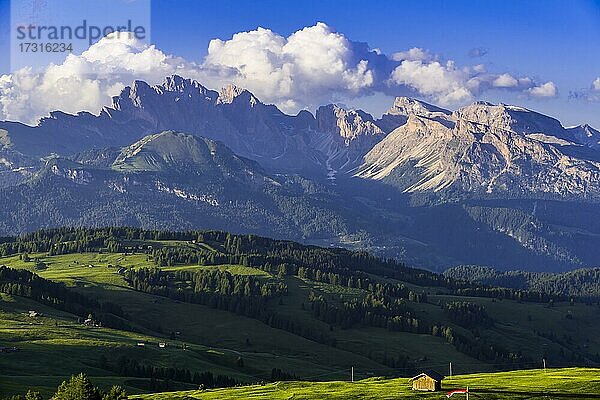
pixel 115 393
pixel 78 388
pixel 33 395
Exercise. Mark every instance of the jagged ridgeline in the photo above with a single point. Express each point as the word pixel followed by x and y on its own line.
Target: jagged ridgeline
pixel 494 185
pixel 166 310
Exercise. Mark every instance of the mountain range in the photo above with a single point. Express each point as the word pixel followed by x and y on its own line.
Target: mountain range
pixel 493 185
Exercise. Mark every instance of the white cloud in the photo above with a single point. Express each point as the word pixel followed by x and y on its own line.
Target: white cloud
pixel 505 81
pixel 85 82
pixel 303 69
pixel 414 54
pixel 547 89
pixel 449 85
pixel 442 82
pixel 479 68
pixel 596 84
pixel 310 67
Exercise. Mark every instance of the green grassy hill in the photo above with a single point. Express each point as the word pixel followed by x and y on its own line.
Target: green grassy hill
pixel 256 310
pixel 569 383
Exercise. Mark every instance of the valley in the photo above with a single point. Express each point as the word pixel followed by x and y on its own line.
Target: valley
pixel 299 200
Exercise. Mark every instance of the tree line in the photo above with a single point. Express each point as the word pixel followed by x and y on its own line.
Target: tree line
pixel 385 305
pixel 372 310
pixel 240 294
pixel 79 387
pixel 130 367
pixel 479 348
pixel 20 282
pixel 582 284
pixel 467 314
pixel 255 251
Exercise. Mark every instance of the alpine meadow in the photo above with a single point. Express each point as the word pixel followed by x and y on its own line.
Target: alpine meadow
pixel 299 200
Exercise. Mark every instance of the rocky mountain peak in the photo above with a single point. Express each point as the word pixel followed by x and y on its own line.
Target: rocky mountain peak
pixel 485 150
pixel 585 135
pixel 137 92
pixel 348 124
pixel 335 140
pixel 586 130
pixel 510 118
pixel 176 83
pixel 174 87
pixel 402 107
pixel 344 136
pixel 170 150
pixel 132 95
pixel 407 106
pixel 231 93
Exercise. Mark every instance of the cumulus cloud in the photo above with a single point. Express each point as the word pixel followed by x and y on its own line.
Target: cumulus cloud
pixel 505 81
pixel 596 84
pixel 547 89
pixel 443 82
pixel 307 67
pixel 449 85
pixel 414 54
pixel 312 66
pixel 85 82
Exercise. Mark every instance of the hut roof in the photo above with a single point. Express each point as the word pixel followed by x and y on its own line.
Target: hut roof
pixel 432 374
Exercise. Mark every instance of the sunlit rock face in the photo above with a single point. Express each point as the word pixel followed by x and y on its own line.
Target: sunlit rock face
pixel 485 150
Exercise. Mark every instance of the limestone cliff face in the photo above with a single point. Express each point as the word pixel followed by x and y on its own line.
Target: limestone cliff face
pixel 343 137
pixel 402 107
pixel 348 124
pixel 483 150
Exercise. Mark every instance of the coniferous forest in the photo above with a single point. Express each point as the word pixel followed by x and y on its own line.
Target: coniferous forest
pixel 258 278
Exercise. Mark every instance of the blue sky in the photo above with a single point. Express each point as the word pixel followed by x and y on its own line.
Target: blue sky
pixel 550 40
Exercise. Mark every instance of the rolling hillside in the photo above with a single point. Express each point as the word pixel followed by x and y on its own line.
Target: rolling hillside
pixel 251 309
pixel 570 383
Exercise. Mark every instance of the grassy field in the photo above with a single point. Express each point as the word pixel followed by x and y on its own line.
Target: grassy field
pixel 571 383
pixel 56 345
pixel 82 268
pixel 270 348
pixel 233 269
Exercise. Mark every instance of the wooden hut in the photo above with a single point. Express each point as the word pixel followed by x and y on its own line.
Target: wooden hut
pixel 429 381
